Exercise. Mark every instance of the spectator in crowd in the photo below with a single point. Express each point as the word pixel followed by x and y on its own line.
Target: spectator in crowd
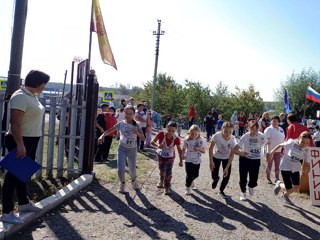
pixel 123 103
pixel 283 123
pixel 208 123
pixel 132 102
pixel 156 117
pixel 242 123
pixel 110 122
pixel 141 118
pixel 275 136
pixel 25 130
pixel 180 124
pixel 316 136
pixel 235 123
pixel 264 122
pixel 219 122
pixel 101 125
pixel 149 129
pixel 191 114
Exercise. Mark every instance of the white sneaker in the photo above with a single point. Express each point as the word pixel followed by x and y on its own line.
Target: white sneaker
pixel 277 188
pixel 243 196
pixel 29 207
pixel 250 191
pixel 135 185
pixel 11 218
pixel 122 188
pixel 188 191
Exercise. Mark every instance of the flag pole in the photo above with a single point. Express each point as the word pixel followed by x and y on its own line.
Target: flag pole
pixel 90 38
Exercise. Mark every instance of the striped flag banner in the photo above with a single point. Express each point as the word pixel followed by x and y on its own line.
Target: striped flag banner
pixel 97 25
pixel 313 95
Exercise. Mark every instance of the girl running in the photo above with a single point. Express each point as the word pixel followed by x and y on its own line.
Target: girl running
pixel 252 146
pixel 193 147
pixel 296 151
pixel 127 152
pixel 220 151
pixel 165 143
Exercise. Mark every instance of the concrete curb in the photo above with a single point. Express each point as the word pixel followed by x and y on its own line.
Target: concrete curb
pixel 48 203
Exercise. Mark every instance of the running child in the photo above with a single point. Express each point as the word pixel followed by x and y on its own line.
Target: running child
pixel 165 143
pixel 127 151
pixel 149 129
pixel 252 150
pixel 296 151
pixel 193 147
pixel 220 151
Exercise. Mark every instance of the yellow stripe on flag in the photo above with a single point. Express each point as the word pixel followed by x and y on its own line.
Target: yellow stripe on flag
pixel 98 27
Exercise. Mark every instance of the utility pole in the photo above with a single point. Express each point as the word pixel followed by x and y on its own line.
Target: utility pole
pixel 158 34
pixel 14 74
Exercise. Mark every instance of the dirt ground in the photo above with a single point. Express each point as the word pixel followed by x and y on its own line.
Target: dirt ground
pixel 100 212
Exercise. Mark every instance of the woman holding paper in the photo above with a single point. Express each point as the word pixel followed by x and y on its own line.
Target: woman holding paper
pixel 26 115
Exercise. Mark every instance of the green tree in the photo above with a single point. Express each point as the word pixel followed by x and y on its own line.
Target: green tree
pixel 201 97
pixel 297 85
pixel 248 101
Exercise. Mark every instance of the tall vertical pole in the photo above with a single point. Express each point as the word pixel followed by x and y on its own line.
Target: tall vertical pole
pixel 17 40
pixel 158 34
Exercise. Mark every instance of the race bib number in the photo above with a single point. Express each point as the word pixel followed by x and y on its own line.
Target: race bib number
pixel 164 154
pixel 129 142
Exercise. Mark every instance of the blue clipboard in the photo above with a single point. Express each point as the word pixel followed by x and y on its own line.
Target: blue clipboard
pixel 22 168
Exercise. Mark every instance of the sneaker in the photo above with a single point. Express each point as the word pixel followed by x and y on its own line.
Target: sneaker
pixel 277 188
pixel 188 191
pixel 167 191
pixel 222 194
pixel 243 197
pixel 193 185
pixel 29 207
pixel 214 183
pixel 122 188
pixel 287 200
pixel 11 218
pixel 160 185
pixel 135 185
pixel 250 191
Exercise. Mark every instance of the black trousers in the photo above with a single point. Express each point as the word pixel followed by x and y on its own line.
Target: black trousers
pixel 192 171
pixel 11 183
pixel 139 141
pixel 251 167
pixel 215 173
pixel 104 149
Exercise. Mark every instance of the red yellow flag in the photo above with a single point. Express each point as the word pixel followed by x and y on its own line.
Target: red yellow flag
pixel 97 26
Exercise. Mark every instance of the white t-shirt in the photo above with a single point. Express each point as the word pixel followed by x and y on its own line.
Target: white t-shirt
pixel 222 147
pixel 127 137
pixel 28 103
pixel 253 145
pixel 275 136
pixel 121 116
pixel 190 154
pixel 293 155
pixel 144 116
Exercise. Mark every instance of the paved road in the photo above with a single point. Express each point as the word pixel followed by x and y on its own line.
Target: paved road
pixel 99 212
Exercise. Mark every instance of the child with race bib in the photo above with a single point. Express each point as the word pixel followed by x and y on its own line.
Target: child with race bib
pixel 295 152
pixel 127 152
pixel 165 143
pixel 220 151
pixel 252 146
pixel 193 147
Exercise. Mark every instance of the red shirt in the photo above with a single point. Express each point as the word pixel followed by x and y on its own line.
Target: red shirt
pixel 110 122
pixel 161 135
pixel 295 129
pixel 192 112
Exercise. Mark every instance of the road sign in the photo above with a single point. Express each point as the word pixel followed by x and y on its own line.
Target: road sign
pixel 107 95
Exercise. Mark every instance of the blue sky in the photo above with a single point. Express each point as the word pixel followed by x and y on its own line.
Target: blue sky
pixel 238 42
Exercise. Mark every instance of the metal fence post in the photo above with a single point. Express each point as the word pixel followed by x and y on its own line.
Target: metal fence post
pixel 91 112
